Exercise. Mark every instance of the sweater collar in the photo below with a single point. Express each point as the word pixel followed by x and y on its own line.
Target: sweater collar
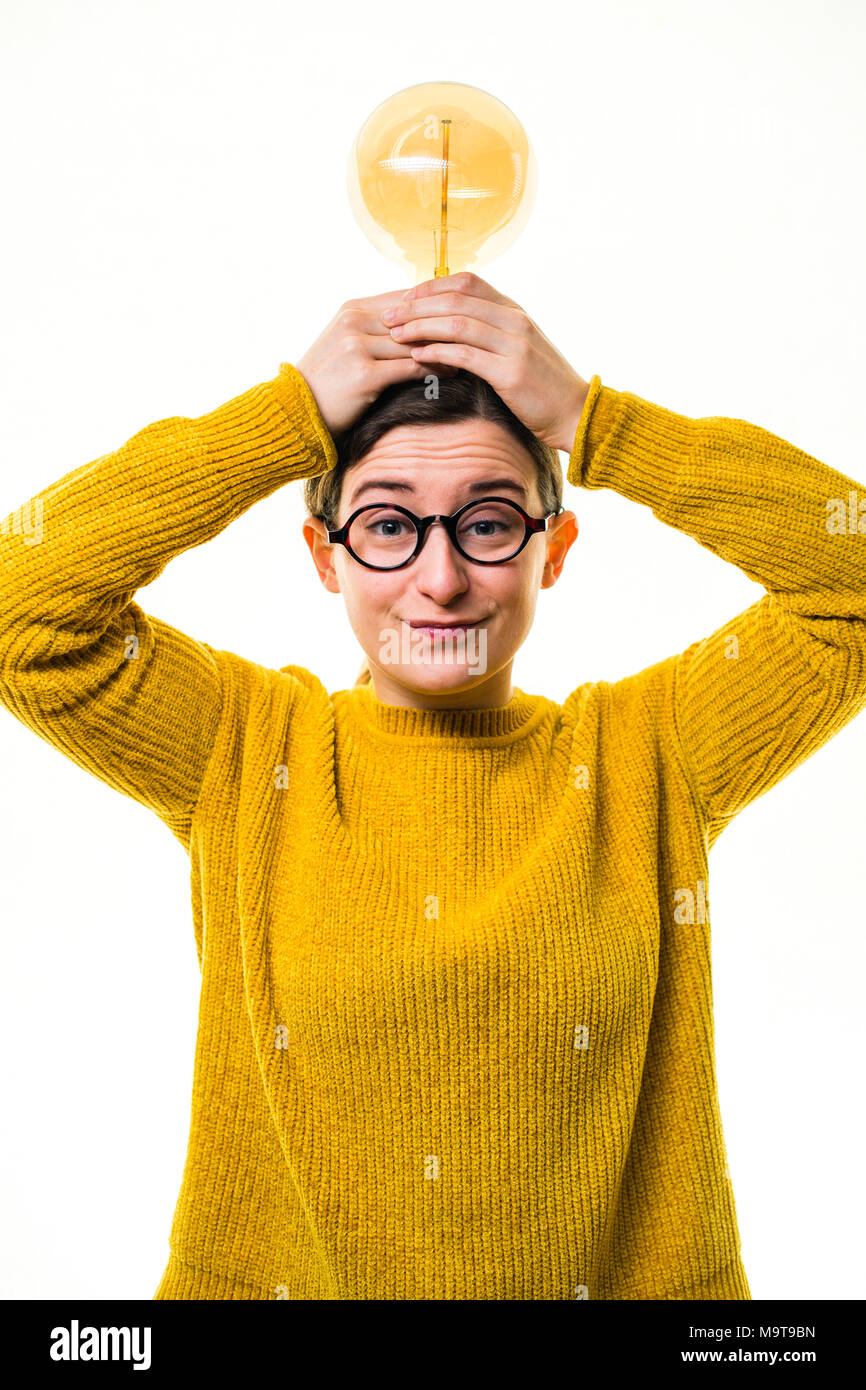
pixel 497 723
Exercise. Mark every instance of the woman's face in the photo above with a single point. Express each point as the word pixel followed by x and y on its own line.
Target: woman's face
pixel 438 468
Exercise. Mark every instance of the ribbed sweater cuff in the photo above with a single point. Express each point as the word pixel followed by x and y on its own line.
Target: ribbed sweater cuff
pixel 631 445
pixel 270 434
pixel 299 403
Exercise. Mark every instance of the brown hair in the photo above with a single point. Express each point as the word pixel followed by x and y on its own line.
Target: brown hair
pixel 463 396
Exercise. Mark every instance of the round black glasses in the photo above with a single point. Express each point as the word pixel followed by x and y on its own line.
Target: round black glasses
pixel 383 536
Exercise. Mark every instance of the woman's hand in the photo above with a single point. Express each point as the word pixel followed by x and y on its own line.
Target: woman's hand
pixel 467 323
pixel 355 358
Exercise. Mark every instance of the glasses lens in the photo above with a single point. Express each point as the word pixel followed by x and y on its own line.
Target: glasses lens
pixel 382 536
pixel 488 531
pixel 491 531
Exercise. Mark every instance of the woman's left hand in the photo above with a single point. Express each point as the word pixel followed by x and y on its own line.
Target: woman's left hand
pixel 464 322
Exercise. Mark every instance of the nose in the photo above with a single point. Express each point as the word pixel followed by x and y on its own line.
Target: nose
pixel 441 569
pixel 438 539
pixel 432 527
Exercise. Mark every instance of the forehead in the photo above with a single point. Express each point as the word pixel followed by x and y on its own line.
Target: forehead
pixel 451 462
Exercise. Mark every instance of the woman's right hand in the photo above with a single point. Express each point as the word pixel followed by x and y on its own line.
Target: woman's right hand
pixel 355 358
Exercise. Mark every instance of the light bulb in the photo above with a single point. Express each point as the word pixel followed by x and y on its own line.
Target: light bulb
pixel 441 178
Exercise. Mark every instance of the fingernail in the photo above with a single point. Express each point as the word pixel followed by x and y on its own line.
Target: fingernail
pixel 388 315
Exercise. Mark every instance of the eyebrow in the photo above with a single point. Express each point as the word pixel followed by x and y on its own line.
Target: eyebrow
pixel 488 487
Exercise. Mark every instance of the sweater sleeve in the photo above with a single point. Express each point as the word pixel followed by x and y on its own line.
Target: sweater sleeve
pixel 760 695
pixel 127 697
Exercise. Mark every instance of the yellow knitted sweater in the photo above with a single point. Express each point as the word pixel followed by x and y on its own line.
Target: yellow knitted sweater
pixel 456 1027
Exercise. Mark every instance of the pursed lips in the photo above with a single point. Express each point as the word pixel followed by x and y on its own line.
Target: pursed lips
pixel 456 623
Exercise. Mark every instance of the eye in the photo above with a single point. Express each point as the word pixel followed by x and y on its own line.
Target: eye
pixel 491 521
pixel 386 525
pixel 383 524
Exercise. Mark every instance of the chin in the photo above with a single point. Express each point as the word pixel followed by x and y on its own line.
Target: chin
pixel 430 678
pixel 430 665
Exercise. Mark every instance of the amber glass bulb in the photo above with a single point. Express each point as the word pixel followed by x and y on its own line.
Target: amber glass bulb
pixel 441 178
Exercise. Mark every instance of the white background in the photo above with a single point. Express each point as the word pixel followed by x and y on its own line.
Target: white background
pixel 176 224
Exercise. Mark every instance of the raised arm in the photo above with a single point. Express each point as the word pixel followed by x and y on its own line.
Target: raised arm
pixel 754 699
pixel 124 695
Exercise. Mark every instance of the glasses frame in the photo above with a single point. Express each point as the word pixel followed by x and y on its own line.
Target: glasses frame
pixel 532 526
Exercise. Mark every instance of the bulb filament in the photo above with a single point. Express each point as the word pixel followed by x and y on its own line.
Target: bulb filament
pixel 442 267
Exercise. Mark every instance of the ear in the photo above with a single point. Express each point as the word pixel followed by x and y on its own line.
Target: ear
pixel 560 538
pixel 315 534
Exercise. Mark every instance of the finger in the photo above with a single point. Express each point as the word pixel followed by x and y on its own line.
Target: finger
pixel 501 316
pixel 456 328
pixel 463 282
pixel 408 370
pixel 471 359
pixel 370 308
pixel 365 315
pixel 380 347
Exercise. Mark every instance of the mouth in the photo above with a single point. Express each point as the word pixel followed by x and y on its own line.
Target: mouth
pixel 442 629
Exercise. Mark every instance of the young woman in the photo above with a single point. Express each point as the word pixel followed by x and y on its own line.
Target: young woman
pixel 456 1029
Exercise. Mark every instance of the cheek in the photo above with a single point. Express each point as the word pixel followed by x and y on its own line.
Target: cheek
pixel 515 598
pixel 368 600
